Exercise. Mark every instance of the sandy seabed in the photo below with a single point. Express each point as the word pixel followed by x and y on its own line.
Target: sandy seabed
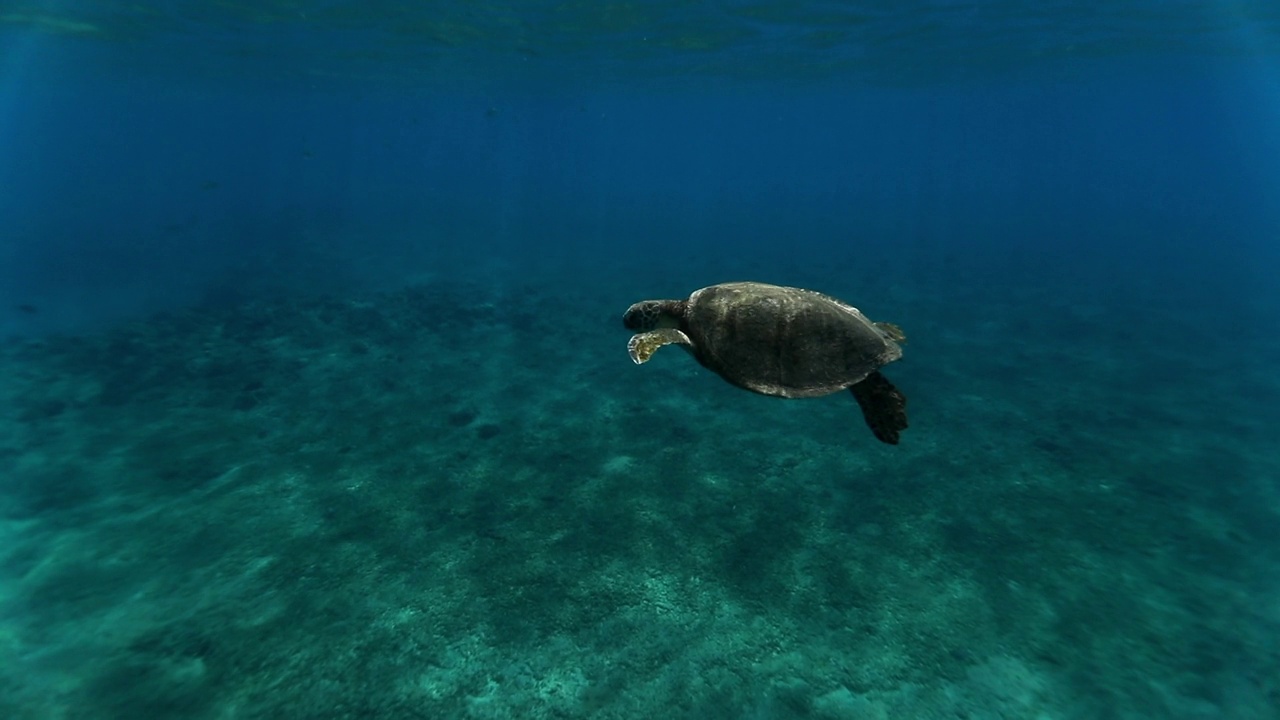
pixel 461 499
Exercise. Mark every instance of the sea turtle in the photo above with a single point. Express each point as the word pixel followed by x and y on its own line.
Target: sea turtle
pixel 781 341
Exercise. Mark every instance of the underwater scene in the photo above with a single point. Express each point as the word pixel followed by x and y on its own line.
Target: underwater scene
pixel 741 360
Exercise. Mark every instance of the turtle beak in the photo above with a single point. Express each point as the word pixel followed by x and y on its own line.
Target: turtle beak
pixel 633 319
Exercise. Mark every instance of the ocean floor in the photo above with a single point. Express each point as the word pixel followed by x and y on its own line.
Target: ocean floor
pixel 463 500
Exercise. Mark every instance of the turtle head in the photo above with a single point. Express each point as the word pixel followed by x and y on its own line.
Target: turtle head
pixel 654 314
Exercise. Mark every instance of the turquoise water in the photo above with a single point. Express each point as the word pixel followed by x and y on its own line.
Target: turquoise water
pixel 317 404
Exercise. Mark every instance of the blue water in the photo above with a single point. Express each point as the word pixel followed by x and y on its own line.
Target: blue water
pixel 317 401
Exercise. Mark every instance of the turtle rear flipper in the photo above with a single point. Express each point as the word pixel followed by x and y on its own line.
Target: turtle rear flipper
pixel 642 346
pixel 891 331
pixel 883 406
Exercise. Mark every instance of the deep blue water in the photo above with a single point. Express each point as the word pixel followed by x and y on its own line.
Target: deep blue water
pixel 294 263
pixel 149 191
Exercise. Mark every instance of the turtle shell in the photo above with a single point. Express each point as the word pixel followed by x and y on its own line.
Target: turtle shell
pixel 784 341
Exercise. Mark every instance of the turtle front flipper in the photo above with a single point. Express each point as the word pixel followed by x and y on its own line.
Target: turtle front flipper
pixel 883 406
pixel 642 346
